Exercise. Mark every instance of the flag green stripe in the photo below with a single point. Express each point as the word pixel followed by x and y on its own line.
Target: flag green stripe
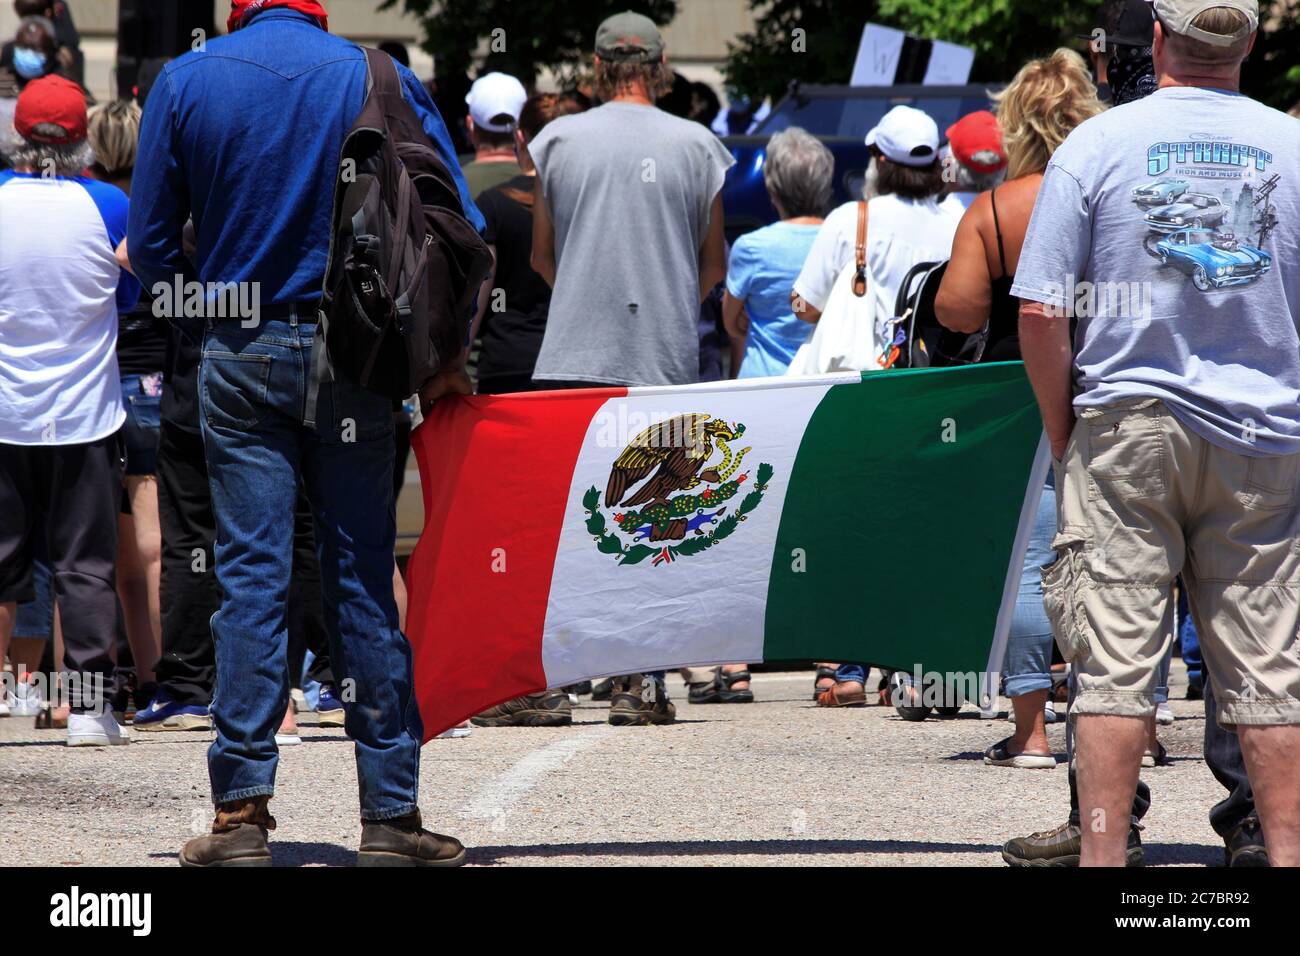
pixel 904 536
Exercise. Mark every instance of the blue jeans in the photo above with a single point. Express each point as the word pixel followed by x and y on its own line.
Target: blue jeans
pixel 1190 643
pixel 143 422
pixel 252 392
pixel 35 618
pixel 1027 666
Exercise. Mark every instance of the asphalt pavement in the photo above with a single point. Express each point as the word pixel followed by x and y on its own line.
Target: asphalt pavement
pixel 778 781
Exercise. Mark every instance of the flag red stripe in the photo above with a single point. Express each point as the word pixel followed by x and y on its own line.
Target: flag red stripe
pixel 476 630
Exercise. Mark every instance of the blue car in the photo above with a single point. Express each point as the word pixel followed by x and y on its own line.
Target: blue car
pixel 1161 192
pixel 840 117
pixel 1213 259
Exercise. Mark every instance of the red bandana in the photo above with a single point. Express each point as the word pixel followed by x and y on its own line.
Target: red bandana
pixel 241 10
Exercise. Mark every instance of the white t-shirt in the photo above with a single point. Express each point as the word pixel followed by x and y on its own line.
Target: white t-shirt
pixel 900 233
pixel 60 292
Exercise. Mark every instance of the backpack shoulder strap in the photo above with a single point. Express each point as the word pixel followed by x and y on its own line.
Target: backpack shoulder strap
pixel 382 73
pixel 860 252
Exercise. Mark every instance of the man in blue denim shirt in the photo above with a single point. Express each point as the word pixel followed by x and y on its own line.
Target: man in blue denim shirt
pixel 244 137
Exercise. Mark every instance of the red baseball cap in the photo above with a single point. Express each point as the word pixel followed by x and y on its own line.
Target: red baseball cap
pixel 51 99
pixel 976 141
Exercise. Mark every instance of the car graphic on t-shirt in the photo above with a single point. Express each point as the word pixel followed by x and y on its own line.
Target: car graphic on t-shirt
pixel 1161 192
pixel 1196 210
pixel 1213 259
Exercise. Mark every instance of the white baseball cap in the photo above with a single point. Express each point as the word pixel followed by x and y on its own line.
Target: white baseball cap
pixel 907 136
pixel 495 100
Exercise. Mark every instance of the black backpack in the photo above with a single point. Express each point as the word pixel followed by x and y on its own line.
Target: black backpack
pixel 404 262
pixel 928 344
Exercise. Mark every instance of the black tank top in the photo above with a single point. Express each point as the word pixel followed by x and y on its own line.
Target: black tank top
pixel 1004 312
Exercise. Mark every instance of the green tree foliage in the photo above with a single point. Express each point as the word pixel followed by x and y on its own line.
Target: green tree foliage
pixel 1003 33
pixel 1272 73
pixel 533 33
pixel 813 41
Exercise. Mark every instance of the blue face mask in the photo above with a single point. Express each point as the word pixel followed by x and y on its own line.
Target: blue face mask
pixel 29 63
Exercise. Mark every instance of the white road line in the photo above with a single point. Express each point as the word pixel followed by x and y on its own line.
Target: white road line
pixel 503 792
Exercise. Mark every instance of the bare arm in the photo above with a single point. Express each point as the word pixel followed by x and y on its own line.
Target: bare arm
pixel 123 259
pixel 966 293
pixel 543 257
pixel 802 310
pixel 734 319
pixel 484 294
pixel 713 254
pixel 1046 348
pixel 736 322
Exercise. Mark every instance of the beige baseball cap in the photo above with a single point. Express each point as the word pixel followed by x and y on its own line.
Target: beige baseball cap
pixel 1178 15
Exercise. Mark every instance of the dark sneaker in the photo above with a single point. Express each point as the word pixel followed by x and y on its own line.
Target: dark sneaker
pixel 402 841
pixel 1244 846
pixel 603 689
pixel 163 713
pixel 550 708
pixel 1060 846
pixel 329 709
pixel 238 837
pixel 638 701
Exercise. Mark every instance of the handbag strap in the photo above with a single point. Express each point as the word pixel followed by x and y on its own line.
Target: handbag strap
pixel 860 253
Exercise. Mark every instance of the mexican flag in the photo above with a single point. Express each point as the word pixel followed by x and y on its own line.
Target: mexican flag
pixel 878 517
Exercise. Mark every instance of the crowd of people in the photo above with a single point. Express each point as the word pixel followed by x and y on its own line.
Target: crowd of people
pixel 180 493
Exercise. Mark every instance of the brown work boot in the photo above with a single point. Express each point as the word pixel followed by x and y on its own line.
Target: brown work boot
pixel 639 700
pixel 238 836
pixel 550 708
pixel 401 841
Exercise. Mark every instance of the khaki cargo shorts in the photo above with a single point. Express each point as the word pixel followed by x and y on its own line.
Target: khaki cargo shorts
pixel 1142 499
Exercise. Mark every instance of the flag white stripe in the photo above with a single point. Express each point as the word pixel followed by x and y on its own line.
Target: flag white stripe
pixel 604 618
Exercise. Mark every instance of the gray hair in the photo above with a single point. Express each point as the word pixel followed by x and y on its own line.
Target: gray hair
pixel 968 180
pixel 51 158
pixel 797 173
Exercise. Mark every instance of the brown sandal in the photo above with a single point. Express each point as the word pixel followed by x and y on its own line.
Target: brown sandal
pixel 834 697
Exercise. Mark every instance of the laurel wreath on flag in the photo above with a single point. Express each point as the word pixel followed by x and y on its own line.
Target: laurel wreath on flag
pixel 607 542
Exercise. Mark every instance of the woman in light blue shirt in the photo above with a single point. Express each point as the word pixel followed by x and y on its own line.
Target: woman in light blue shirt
pixel 765 263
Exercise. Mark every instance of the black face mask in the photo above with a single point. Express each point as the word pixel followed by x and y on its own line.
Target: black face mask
pixel 1131 74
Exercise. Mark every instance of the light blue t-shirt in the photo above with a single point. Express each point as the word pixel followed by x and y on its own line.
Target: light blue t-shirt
pixel 762 269
pixel 1171 225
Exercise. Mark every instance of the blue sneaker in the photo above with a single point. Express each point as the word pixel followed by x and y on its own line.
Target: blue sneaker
pixel 329 708
pixel 164 714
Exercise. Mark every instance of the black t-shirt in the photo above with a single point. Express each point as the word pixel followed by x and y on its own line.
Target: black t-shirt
pixel 512 337
pixel 141 340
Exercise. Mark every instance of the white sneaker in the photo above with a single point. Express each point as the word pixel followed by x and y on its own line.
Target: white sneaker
pixel 453 733
pixel 24 701
pixel 4 709
pixel 88 730
pixel 287 740
pixel 1164 714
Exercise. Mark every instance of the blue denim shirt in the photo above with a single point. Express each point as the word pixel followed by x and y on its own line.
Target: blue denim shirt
pixel 245 137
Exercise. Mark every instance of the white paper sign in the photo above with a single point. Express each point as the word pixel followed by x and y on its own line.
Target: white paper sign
pixel 949 64
pixel 878 54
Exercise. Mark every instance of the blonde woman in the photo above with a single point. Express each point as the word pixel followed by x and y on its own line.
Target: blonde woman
pixel 1046 100
pixel 113 132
